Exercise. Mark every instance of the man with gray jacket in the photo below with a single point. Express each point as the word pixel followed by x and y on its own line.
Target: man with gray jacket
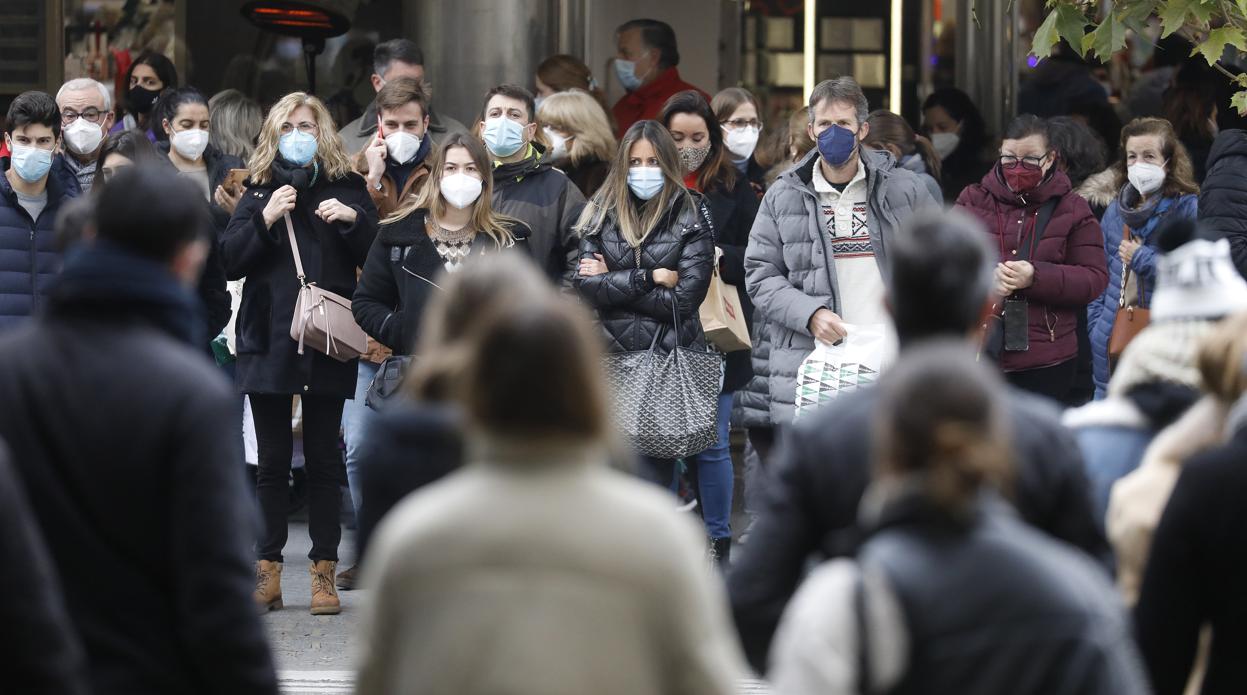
pixel 818 248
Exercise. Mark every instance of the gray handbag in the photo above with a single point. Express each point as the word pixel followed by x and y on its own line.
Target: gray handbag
pixel 665 404
pixel 322 320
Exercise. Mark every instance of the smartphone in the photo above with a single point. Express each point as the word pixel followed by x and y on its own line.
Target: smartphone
pixel 235 177
pixel 1016 320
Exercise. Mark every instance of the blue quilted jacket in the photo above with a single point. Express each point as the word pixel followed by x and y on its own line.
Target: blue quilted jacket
pixel 29 256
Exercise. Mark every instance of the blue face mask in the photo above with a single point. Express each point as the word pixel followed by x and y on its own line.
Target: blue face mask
pixel 836 145
pixel 645 182
pixel 297 147
pixel 31 163
pixel 503 136
pixel 625 70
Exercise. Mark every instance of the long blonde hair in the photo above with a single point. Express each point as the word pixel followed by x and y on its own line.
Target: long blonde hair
pixel 636 221
pixel 334 162
pixel 578 113
pixel 484 220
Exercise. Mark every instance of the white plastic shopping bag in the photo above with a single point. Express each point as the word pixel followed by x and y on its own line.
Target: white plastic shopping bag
pixel 855 362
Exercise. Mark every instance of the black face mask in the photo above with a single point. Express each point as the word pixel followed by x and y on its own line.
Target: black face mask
pixel 142 100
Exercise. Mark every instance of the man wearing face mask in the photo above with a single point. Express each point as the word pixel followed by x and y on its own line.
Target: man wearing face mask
pixel 819 244
pixel 526 185
pixel 645 64
pixel 31 193
pixel 394 163
pixel 86 116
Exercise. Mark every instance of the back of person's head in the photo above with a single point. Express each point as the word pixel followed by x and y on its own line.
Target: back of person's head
pixel 961 108
pixel 656 36
pixel 1101 117
pixel 940 277
pixel 563 72
pixel 578 114
pixel 1195 276
pixel 236 120
pixel 799 140
pixel 1222 360
pixel 146 212
pixel 33 108
pixel 939 424
pixel 401 50
pixel 74 221
pixel 1190 100
pixel 1081 151
pixel 400 92
pixel 715 169
pixel 1171 50
pixel 892 133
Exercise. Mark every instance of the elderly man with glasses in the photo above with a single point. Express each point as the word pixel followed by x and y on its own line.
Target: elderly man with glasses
pixel 86 116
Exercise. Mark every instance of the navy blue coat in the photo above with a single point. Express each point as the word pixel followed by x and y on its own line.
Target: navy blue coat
pixel 29 255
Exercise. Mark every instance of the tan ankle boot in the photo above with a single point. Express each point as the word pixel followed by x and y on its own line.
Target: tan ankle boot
pixel 267 586
pixel 324 593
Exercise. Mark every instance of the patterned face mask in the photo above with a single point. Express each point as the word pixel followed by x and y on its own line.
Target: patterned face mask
pixel 693 157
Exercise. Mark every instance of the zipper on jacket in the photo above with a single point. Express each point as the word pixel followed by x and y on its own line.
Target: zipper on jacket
pixel 417 275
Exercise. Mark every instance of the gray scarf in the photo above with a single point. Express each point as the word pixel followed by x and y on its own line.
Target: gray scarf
pixel 1134 211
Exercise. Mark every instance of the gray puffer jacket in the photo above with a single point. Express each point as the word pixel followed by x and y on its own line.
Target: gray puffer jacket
pixel 790 272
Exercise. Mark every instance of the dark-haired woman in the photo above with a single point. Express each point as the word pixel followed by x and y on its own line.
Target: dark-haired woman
pixel 957 132
pixel 912 152
pixel 150 74
pixel 1047 272
pixel 732 205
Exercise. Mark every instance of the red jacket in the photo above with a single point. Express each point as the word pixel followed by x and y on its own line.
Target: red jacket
pixel 1071 270
pixel 647 101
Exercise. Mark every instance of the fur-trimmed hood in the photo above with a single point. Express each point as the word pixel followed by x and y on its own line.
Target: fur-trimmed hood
pixel 1100 190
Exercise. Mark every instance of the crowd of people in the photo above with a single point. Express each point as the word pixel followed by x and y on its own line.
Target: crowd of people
pixel 1038 495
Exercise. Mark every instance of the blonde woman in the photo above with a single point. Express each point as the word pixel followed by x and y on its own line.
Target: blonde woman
pixel 298 169
pixel 646 252
pixel 451 223
pixel 581 140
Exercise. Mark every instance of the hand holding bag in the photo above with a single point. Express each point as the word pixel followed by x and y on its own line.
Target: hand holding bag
pixel 323 320
pixel 1132 318
pixel 831 371
pixel 722 316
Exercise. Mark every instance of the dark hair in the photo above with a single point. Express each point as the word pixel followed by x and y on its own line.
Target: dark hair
pixel 170 101
pixel 511 91
pixel 1228 117
pixel 939 420
pixel 1027 125
pixel 160 64
pixel 716 170
pixel 157 224
pixel 1171 50
pixel 961 108
pixel 1081 150
pixel 73 219
pixel 658 36
pixel 34 108
pixel 887 128
pixel 1190 99
pixel 131 144
pixel 400 92
pixel 940 276
pixel 402 50
pixel 1102 118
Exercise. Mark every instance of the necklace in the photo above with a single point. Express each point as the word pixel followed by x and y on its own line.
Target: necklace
pixel 459 236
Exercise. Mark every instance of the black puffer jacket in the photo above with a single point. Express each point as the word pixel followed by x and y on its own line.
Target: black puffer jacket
pixel 401 274
pixel 631 308
pixel 732 212
pixel 1223 194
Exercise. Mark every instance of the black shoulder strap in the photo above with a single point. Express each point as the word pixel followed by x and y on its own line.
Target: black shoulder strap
pixel 1041 224
pixel 864 675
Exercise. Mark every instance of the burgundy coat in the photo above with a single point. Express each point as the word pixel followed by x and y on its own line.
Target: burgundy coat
pixel 1070 266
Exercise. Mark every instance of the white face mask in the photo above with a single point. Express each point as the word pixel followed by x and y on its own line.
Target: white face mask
pixel 558 145
pixel 1146 178
pixel 83 136
pixel 741 142
pixel 945 143
pixel 190 143
pixel 461 190
pixel 402 146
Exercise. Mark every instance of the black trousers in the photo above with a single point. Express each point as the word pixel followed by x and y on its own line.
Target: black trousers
pixel 322 416
pixel 1055 382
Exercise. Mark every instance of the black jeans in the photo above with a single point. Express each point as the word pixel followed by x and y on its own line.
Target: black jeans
pixel 322 415
pixel 1055 382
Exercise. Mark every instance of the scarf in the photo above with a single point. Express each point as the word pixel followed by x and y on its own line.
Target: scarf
pixel 1135 212
pixel 285 173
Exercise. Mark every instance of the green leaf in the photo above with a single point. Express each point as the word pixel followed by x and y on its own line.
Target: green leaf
pixel 1107 39
pixel 1239 102
pixel 1213 46
pixel 1203 10
pixel 1045 37
pixel 1173 16
pixel 1242 7
pixel 1071 24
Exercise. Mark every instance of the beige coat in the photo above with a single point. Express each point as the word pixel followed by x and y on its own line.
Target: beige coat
pixel 1138 499
pixel 549 574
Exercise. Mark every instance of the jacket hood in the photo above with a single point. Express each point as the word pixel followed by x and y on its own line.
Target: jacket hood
pixel 1056 185
pixel 1230 143
pixel 802 173
pixel 1100 190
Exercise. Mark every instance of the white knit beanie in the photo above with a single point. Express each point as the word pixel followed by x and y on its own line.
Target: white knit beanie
pixel 1198 280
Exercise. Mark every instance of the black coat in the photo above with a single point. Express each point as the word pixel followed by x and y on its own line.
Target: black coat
pixel 268 359
pixel 821 470
pixel 30 257
pixel 212 290
pixel 126 438
pixel 732 212
pixel 401 274
pixel 1195 575
pixel 588 175
pixel 1223 194
pixel 630 306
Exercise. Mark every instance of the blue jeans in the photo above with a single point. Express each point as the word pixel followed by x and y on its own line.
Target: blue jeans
pixel 715 480
pixel 355 419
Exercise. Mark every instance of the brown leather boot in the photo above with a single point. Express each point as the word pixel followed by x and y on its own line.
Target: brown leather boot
pixel 267 586
pixel 324 594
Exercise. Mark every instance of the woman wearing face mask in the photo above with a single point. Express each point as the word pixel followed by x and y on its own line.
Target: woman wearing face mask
pixel 732 205
pixel 299 173
pixel 150 74
pixel 646 253
pixel 581 140
pixel 912 152
pixel 741 120
pixel 956 130
pixel 1051 258
pixel 452 223
pixel 1156 182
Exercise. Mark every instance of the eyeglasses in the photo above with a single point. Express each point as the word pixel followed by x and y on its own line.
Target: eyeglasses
pixel 91 114
pixel 1008 161
pixel 737 123
pixel 304 127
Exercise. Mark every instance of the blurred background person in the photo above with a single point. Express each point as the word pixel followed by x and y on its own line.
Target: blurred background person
pixel 637 292
pixel 120 150
pixel 582 141
pixel 150 74
pixel 1146 97
pixel 912 152
pixel 740 117
pixel 796 144
pixel 86 116
pixel 299 170
pixel 1102 119
pixel 539 427
pixel 937 526
pixel 1059 81
pixel 1223 194
pixel 645 64
pixel 956 129
pixel 235 122
pixel 1155 182
pixel 564 73
pixel 1190 105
